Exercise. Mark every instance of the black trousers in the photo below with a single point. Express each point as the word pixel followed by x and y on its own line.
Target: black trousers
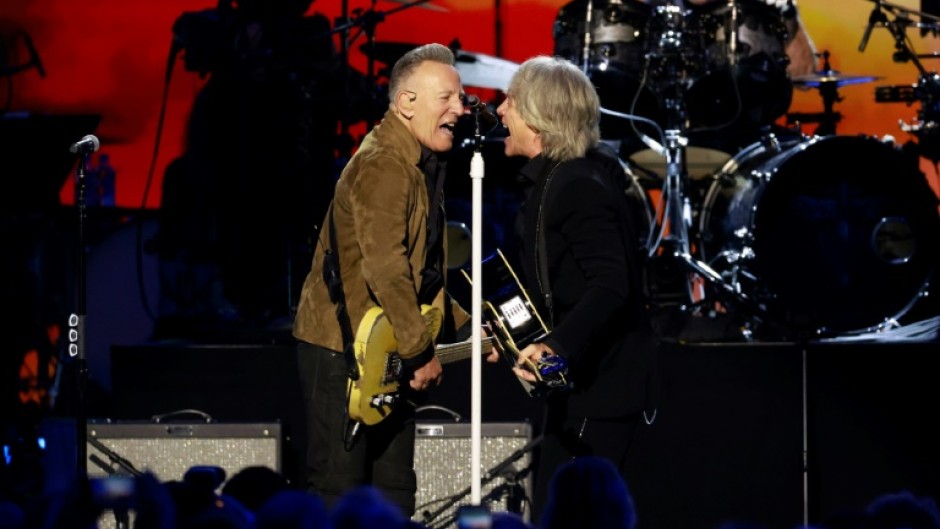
pixel 381 455
pixel 566 438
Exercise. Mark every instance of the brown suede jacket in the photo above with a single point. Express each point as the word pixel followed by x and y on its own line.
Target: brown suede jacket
pixel 380 214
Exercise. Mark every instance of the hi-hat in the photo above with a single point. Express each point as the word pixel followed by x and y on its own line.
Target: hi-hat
pixel 484 71
pixel 831 77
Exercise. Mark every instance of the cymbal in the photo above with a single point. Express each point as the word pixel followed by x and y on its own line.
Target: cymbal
pixel 484 71
pixel 387 52
pixel 700 161
pixel 423 5
pixel 839 79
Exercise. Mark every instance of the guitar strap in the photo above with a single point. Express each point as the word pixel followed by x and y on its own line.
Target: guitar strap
pixel 334 283
pixel 544 281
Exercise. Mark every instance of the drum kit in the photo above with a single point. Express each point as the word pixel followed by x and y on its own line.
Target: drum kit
pixel 801 233
pixel 798 233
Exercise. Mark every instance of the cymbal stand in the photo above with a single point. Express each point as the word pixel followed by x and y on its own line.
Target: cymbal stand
pixel 677 216
pixel 829 92
pixel 668 58
pixel 367 21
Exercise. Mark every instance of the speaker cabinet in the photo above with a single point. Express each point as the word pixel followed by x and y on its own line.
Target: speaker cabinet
pixel 442 464
pixel 169 450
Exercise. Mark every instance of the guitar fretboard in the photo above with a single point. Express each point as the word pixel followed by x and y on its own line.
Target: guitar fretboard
pixel 453 352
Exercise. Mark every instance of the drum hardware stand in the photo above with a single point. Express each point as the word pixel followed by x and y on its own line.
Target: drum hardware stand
pixel 586 50
pixel 829 91
pixel 677 214
pixel 367 21
pixel 927 89
pixel 678 210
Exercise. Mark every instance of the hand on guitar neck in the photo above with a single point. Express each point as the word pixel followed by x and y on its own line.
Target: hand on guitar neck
pixel 431 373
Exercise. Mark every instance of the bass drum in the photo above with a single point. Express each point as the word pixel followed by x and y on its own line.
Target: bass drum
pixel 619 38
pixel 831 235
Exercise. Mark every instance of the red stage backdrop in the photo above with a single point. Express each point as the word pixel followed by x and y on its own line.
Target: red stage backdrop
pixel 109 57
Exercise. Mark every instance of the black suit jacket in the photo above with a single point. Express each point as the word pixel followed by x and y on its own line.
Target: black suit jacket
pixel 599 317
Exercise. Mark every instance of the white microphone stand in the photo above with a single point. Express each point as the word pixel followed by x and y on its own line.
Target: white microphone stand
pixel 476 303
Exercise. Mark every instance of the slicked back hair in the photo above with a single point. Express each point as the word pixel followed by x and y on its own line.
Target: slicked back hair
pixel 409 62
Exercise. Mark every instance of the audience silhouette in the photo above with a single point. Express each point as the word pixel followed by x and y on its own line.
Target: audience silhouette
pixel 902 509
pixel 11 516
pixel 293 509
pixel 588 491
pixel 585 493
pixel 509 520
pixel 254 486
pixel 365 507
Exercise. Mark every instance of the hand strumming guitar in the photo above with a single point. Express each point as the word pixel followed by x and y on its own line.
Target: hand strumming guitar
pixel 530 356
pixel 427 375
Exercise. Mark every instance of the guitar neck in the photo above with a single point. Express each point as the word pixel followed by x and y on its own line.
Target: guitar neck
pixel 453 352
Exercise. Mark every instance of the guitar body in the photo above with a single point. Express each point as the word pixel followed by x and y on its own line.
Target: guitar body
pixel 375 394
pixel 516 323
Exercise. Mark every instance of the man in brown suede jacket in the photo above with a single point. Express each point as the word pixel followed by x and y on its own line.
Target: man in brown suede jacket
pixel 389 232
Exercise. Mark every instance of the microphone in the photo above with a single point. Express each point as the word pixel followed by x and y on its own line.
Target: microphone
pixel 479 109
pixel 875 17
pixel 86 145
pixel 35 56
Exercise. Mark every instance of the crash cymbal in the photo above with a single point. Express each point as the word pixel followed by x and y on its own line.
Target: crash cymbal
pixel 423 5
pixel 387 52
pixel 484 71
pixel 839 79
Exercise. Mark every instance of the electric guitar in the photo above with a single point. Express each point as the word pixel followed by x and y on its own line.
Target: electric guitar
pixel 375 394
pixel 516 323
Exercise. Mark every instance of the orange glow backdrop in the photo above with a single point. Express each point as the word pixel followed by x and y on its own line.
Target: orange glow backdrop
pixel 109 57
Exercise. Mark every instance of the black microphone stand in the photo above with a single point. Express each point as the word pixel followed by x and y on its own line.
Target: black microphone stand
pixel 76 323
pixel 121 516
pixel 114 457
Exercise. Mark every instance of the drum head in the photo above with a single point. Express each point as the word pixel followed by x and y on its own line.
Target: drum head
pixel 844 233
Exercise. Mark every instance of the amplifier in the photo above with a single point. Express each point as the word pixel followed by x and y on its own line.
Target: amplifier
pixel 442 464
pixel 169 450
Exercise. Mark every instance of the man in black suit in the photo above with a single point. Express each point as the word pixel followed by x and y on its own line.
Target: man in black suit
pixel 583 263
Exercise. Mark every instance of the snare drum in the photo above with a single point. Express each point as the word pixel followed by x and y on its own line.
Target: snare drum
pixel 832 234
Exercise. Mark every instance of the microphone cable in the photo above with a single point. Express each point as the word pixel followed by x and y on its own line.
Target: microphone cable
pixel 139 251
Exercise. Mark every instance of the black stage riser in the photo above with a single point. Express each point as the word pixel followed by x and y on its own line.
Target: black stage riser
pixel 728 441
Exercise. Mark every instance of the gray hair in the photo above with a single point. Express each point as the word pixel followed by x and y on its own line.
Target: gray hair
pixel 556 98
pixel 409 62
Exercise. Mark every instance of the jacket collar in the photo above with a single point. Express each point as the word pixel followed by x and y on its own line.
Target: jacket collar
pixel 535 168
pixel 393 132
